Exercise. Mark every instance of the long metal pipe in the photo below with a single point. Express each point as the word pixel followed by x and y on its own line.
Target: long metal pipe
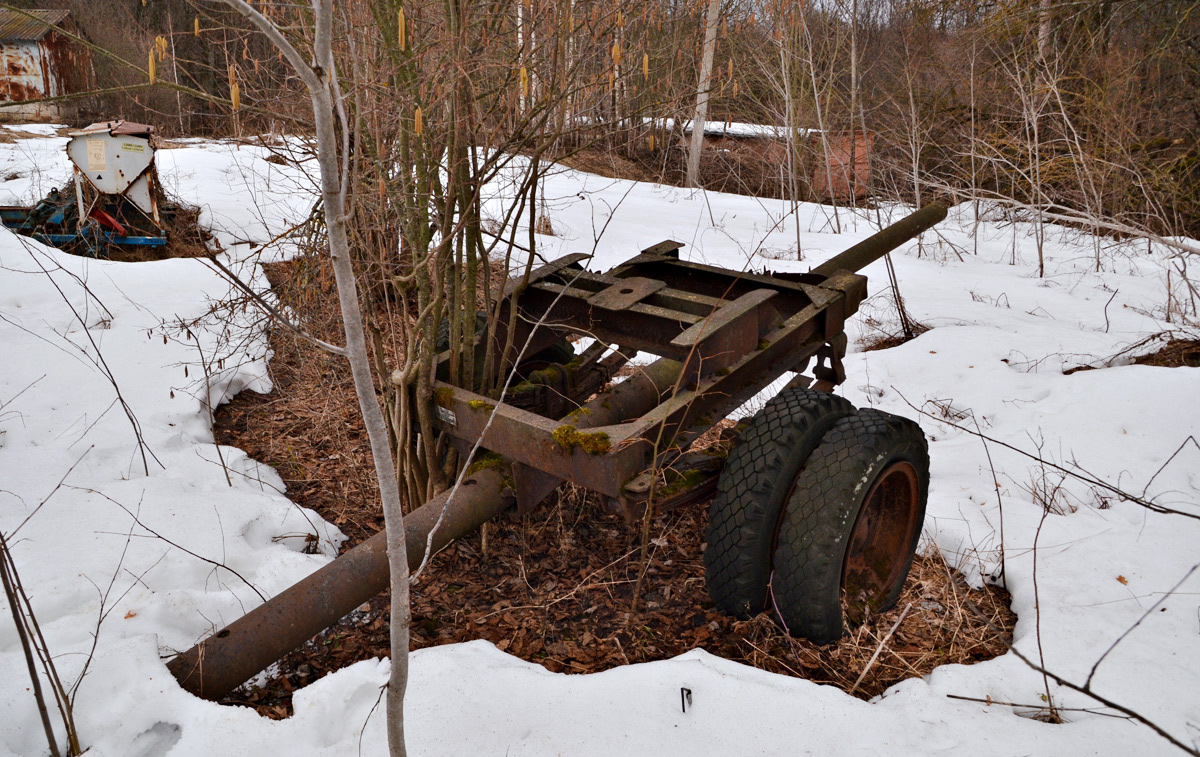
pixel 884 241
pixel 225 660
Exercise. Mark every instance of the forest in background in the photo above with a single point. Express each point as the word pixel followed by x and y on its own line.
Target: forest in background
pixel 1090 105
pixel 1042 112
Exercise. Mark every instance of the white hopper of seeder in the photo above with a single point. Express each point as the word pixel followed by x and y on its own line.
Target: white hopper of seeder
pixel 115 158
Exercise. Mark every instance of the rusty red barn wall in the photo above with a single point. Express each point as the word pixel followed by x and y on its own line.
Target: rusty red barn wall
pixel 842 176
pixel 35 69
pixel 836 179
pixel 22 76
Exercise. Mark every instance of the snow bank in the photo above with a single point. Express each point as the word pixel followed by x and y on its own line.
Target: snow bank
pixel 995 356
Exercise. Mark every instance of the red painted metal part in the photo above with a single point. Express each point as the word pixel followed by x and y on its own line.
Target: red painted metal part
pixel 106 220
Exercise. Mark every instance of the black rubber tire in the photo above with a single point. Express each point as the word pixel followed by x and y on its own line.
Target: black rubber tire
pixel 560 352
pixel 845 470
pixel 744 515
pixel 443 332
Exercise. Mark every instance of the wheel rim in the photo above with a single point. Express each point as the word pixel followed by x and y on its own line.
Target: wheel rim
pixel 879 551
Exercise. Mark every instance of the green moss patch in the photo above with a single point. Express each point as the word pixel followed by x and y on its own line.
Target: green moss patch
pixel 569 438
pixel 489 461
pixel 679 482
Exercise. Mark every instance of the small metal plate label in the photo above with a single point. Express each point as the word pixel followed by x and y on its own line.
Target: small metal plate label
pixel 95 155
pixel 445 415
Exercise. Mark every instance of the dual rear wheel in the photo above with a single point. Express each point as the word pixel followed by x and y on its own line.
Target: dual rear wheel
pixel 817 514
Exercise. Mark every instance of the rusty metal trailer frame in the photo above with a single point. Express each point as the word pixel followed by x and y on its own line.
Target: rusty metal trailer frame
pixel 723 335
pixel 731 333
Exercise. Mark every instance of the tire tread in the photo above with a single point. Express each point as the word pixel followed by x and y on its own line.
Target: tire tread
pixel 751 493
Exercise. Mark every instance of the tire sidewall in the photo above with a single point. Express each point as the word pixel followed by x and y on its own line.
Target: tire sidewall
pixel 815 536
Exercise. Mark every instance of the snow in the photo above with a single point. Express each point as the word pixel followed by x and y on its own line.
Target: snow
pixel 722 128
pixel 994 358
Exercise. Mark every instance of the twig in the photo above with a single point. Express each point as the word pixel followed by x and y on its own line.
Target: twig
pixel 879 648
pixel 1088 479
pixel 415 574
pixel 11 594
pixel 1086 689
pixel 274 314
pixel 999 499
pixel 180 547
pixel 1146 614
pixel 1037 617
pixel 989 700
pixel 208 407
pixel 46 499
pixel 101 363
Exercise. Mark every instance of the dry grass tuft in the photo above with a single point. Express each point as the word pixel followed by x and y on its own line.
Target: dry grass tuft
pixel 1177 353
pixel 941 622
pixel 309 428
pixel 884 340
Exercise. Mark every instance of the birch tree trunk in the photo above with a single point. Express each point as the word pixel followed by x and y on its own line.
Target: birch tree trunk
pixel 706 63
pixel 854 101
pixel 320 80
pixel 1045 28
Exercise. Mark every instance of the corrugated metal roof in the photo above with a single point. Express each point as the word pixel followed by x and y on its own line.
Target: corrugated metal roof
pixel 18 26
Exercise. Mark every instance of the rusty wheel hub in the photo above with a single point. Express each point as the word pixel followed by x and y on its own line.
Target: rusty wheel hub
pixel 877 555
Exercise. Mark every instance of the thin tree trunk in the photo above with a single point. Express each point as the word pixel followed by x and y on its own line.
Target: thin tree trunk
pixel 854 101
pixel 706 62
pixel 793 145
pixel 974 156
pixel 319 79
pixel 1045 29
pixel 820 113
pixel 10 594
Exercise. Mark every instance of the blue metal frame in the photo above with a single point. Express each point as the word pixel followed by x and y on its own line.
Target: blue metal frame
pixel 17 218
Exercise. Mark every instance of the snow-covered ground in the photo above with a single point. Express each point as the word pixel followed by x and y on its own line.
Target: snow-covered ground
pixel 142 564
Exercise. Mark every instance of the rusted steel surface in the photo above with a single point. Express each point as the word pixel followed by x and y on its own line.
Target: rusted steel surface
pixel 882 242
pixel 67 65
pixel 625 293
pixel 117 128
pixel 882 536
pixel 22 77
pixel 549 445
pixel 725 335
pixel 631 398
pixel 39 62
pixel 225 660
pixel 688 479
